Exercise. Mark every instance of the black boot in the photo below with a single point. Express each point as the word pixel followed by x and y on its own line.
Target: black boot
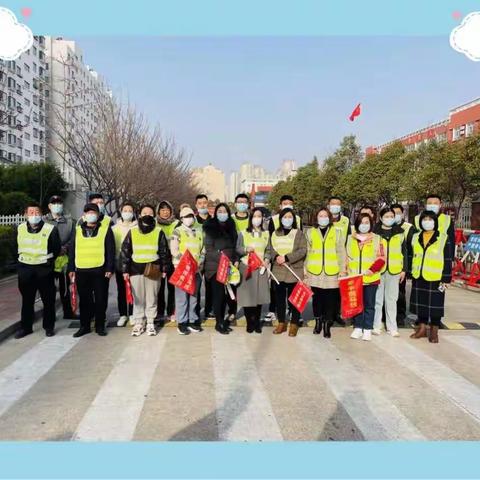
pixel 219 327
pixel 226 326
pixel 317 329
pixel 257 325
pixel 326 329
pixel 250 326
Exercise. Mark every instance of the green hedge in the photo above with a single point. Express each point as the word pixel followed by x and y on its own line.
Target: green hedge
pixel 7 248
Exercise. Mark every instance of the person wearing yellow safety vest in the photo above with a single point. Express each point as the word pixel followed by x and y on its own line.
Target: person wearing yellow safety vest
pixel 145 259
pixel 91 262
pixel 187 237
pixel 66 230
pixel 408 230
pixel 253 290
pixel 288 246
pixel 365 256
pixel 325 263
pixel 430 265
pixel 393 272
pixel 340 221
pixel 124 224
pixel 167 222
pixel 38 245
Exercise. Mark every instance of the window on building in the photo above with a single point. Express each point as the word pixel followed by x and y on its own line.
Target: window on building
pixel 441 137
pixel 35 51
pixel 19 71
pixel 26 67
pixel 456 133
pixel 35 148
pixel 26 118
pixel 35 99
pixel 12 139
pixel 27 153
pixel 41 134
pixel 11 82
pixel 3 136
pixel 26 85
pixel 35 133
pixel 469 129
pixel 26 136
pixel 27 102
pixel 34 65
pixel 42 151
pixel 11 157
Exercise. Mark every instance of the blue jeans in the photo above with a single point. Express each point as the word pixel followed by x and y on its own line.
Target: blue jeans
pixel 185 304
pixel 365 319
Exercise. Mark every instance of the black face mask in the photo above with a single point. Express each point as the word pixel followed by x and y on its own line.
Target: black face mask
pixel 146 223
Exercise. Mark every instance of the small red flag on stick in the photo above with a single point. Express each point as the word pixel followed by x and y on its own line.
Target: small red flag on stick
pixel 254 263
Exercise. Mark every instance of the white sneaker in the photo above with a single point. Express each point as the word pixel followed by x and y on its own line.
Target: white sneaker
pixel 377 331
pixel 357 333
pixel 270 317
pixel 394 333
pixel 367 335
pixel 122 321
pixel 151 331
pixel 131 321
pixel 137 330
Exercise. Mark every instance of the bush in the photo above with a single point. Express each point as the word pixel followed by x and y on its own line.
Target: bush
pixel 14 202
pixel 7 248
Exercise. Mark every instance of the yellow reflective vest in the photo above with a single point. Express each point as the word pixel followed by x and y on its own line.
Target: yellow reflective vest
pixel 33 247
pixel 283 244
pixel 360 260
pixel 257 241
pixel 343 224
pixel 191 240
pixel 393 254
pixel 168 229
pixel 428 263
pixel 322 252
pixel 90 251
pixel 444 222
pixel 145 245
pixel 241 224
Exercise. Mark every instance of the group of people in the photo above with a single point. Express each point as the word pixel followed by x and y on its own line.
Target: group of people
pixel 145 245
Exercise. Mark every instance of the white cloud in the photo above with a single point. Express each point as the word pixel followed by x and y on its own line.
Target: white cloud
pixel 15 38
pixel 466 37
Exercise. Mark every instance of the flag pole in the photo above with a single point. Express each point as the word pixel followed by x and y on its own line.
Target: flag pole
pixel 272 275
pixel 292 272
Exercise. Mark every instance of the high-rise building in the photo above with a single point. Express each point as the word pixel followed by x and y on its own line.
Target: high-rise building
pixel 210 181
pixel 23 98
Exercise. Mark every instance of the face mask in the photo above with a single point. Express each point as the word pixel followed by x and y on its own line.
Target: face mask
pixel 428 225
pixel 147 220
pixel 388 222
pixel 101 207
pixel 127 216
pixel 433 207
pixel 287 222
pixel 34 219
pixel 188 221
pixel 241 207
pixel 203 211
pixel 398 218
pixel 290 207
pixel 57 208
pixel 257 221
pixel 91 217
pixel 222 217
pixel 323 221
pixel 364 228
pixel 335 209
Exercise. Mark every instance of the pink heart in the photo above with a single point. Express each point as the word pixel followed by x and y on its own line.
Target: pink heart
pixel 456 15
pixel 26 11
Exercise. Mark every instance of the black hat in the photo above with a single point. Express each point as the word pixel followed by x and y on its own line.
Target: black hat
pixel 91 206
pixel 55 199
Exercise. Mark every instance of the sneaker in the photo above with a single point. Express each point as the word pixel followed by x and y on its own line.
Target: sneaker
pixel 137 330
pixel 151 332
pixel 131 321
pixel 377 331
pixel 367 335
pixel 357 333
pixel 269 318
pixel 232 319
pixel 210 316
pixel 194 328
pixel 182 329
pixel 394 333
pixel 122 321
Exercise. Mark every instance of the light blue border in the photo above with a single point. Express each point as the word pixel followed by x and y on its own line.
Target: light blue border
pixel 242 17
pixel 432 460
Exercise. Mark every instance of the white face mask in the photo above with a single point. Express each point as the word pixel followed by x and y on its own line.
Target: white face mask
pixel 428 225
pixel 57 208
pixel 388 222
pixel 188 221
pixel 323 221
pixel 364 228
pixel 290 207
pixel 398 218
pixel 91 217
pixel 127 216
pixel 335 209
pixel 433 207
pixel 257 221
pixel 287 222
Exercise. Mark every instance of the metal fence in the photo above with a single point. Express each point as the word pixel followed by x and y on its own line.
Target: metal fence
pixel 464 218
pixel 12 219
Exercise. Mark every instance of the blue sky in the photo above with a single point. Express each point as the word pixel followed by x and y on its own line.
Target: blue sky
pixel 262 99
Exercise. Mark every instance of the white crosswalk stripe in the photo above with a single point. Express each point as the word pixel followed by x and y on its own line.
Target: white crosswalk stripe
pixel 469 343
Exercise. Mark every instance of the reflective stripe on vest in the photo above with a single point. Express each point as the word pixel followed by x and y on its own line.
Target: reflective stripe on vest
pixel 443 223
pixel 90 251
pixel 361 260
pixel 283 244
pixel 145 245
pixel 33 247
pixel 241 224
pixel 168 229
pixel 406 228
pixel 191 240
pixel 258 242
pixel 276 221
pixel 343 225
pixel 428 263
pixel 322 252
pixel 393 254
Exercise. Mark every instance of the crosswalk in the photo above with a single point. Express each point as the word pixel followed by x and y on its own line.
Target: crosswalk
pixel 239 387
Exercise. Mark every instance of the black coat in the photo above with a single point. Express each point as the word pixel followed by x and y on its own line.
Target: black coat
pixel 218 239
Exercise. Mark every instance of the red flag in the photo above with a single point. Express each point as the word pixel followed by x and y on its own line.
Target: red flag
pixel 300 296
pixel 223 267
pixel 73 297
pixel 351 294
pixel 184 275
pixel 128 292
pixel 254 263
pixel 356 113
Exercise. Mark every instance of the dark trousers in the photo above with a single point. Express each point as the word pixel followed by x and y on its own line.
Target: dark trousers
pixel 402 302
pixel 219 297
pixel 93 295
pixel 123 309
pixel 365 319
pixel 326 303
pixel 167 307
pixel 282 292
pixel 232 304
pixel 208 298
pixel 64 291
pixel 252 314
pixel 30 280
pixel 434 321
pixel 272 307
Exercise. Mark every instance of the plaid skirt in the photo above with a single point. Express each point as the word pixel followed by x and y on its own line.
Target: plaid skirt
pixel 426 300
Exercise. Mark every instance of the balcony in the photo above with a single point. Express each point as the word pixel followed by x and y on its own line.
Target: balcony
pixel 19 109
pixel 19 91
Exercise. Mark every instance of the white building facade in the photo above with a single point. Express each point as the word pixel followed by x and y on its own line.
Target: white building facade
pixel 210 181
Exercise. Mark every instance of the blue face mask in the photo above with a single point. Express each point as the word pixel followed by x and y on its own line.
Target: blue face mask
pixel 203 211
pixel 287 222
pixel 222 217
pixel 34 219
pixel 57 208
pixel 323 221
pixel 241 207
pixel 91 217
pixel 335 209
pixel 388 222
pixel 364 228
pixel 101 207
pixel 433 207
